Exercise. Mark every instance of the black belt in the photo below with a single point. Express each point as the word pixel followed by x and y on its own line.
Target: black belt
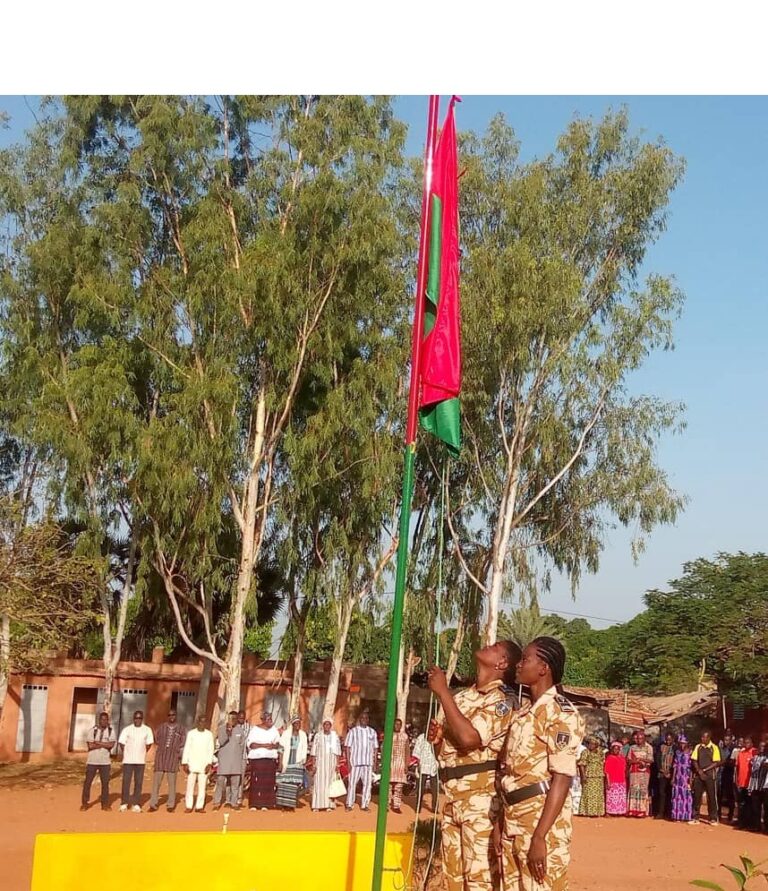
pixel 465 770
pixel 518 795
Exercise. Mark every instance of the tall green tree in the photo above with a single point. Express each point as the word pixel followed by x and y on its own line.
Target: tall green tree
pixel 710 625
pixel 74 385
pixel 555 321
pixel 274 257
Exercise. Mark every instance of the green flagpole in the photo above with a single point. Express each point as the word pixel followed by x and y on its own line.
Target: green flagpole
pixel 403 544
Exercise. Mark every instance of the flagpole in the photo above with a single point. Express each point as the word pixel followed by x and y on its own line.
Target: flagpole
pixel 407 498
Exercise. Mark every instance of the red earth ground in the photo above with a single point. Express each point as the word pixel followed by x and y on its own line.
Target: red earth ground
pixel 608 854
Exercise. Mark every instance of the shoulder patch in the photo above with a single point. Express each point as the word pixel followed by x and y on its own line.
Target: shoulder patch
pixel 564 704
pixel 562 740
pixel 502 709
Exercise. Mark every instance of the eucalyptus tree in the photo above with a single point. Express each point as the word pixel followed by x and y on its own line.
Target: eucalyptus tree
pixel 74 385
pixel 555 320
pixel 275 253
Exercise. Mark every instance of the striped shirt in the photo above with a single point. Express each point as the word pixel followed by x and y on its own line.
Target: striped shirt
pixel 362 743
pixel 170 741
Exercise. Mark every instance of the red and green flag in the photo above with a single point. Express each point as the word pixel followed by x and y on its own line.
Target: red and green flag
pixel 440 372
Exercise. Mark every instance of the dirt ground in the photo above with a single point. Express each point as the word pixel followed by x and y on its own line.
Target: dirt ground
pixel 608 854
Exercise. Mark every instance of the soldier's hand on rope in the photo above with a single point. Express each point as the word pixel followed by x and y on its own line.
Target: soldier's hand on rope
pixel 537 859
pixel 436 679
pixel 435 731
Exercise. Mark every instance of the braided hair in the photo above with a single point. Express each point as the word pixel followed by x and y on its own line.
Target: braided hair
pixel 552 652
pixel 513 653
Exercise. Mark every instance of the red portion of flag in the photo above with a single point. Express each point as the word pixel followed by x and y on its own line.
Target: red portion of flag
pixel 441 352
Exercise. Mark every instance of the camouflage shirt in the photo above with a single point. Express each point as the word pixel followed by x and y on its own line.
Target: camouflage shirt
pixel 490 710
pixel 544 738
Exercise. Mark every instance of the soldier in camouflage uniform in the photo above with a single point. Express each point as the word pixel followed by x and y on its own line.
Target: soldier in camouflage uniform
pixel 467 744
pixel 533 835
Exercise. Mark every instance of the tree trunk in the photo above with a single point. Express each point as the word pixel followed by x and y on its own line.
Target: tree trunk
pixel 201 706
pixel 343 623
pixel 113 647
pixel 453 656
pixel 300 620
pixel 219 704
pixel 499 557
pixel 249 551
pixel 405 668
pixel 5 657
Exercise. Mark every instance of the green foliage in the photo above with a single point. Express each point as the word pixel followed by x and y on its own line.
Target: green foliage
pixel 741 876
pixel 712 622
pixel 258 640
pixel 526 623
pixel 47 591
pixel 367 641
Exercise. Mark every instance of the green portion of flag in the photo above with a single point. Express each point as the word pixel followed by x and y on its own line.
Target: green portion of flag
pixel 433 280
pixel 443 419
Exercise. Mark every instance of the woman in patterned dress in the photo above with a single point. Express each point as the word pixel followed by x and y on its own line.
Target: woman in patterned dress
pixel 591 767
pixel 682 796
pixel 616 782
pixel 640 760
pixel 401 753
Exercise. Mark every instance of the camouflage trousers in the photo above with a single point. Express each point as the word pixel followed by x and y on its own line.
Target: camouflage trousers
pixel 520 822
pixel 469 863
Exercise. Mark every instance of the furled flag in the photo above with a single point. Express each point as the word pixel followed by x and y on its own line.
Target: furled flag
pixel 440 377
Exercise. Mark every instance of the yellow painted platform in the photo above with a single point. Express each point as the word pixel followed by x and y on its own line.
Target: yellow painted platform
pixel 235 861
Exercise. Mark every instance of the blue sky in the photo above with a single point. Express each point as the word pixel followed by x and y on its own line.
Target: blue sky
pixel 715 245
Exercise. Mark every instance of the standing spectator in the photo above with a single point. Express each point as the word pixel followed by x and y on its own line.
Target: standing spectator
pixel 664 779
pixel 169 739
pixel 326 750
pixel 682 797
pixel 197 760
pixel 576 789
pixel 245 725
pixel 294 748
pixel 616 782
pixel 135 741
pixel 360 747
pixel 626 745
pixel 743 765
pixel 640 760
pixel 401 755
pixel 591 766
pixel 758 769
pixel 231 739
pixel 101 741
pixel 263 743
pixel 706 760
pixel 425 753
pixel 725 780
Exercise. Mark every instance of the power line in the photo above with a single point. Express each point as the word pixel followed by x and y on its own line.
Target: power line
pixel 556 612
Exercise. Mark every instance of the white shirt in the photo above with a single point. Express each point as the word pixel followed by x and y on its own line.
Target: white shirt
pixel 198 750
pixel 424 751
pixel 262 735
pixel 136 739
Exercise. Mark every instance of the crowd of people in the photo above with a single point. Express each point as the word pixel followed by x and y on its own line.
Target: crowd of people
pixel 271 768
pixel 257 765
pixel 671 780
